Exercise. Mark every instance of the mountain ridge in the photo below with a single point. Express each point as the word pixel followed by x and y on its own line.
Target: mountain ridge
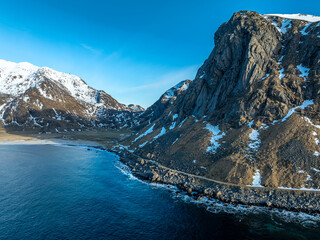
pixel 245 130
pixel 251 111
pixel 40 97
pixel 250 116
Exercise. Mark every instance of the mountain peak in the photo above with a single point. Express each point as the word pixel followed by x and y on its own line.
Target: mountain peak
pixel 171 94
pixel 298 16
pixel 252 107
pixel 40 96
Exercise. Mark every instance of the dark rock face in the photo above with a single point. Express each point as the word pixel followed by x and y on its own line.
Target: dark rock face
pixel 166 101
pixel 252 71
pixel 136 108
pixel 111 118
pixel 253 105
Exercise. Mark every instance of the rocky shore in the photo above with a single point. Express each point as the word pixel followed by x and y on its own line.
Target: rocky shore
pixel 197 186
pixel 253 107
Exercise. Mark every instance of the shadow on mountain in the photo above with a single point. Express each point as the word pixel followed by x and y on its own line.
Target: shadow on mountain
pixel 58 121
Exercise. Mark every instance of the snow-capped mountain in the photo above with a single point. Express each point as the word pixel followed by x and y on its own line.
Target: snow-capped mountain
pixel 298 16
pixel 40 97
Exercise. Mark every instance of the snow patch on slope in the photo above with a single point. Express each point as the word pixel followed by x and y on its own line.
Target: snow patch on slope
pixel 216 136
pixel 180 125
pixel 304 71
pixel 175 141
pixel 299 189
pixel 308 120
pixel 163 131
pixel 172 93
pixel 16 78
pixel 75 85
pixel 304 30
pixel 298 16
pixel 256 182
pixel 285 25
pixel 142 145
pixel 175 117
pixel 315 137
pixel 305 104
pixel 2 107
pixel 281 74
pixel 254 139
pixel 150 130
pixel 173 125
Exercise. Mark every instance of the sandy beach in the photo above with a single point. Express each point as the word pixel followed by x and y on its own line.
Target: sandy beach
pixel 86 138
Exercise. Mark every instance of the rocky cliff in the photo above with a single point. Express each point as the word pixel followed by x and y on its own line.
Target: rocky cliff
pixel 251 115
pixel 42 99
pixel 166 101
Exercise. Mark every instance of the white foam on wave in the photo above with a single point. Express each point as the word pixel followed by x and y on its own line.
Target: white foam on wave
pixel 240 211
pixel 217 207
pixel 125 170
pixel 87 147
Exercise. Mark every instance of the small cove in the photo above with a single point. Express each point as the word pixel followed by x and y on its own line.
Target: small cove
pixel 58 192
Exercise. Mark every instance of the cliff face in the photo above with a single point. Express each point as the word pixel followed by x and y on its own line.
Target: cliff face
pixel 250 115
pixel 166 101
pixel 46 100
pixel 260 68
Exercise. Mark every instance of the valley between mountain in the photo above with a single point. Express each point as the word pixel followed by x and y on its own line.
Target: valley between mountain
pixel 245 130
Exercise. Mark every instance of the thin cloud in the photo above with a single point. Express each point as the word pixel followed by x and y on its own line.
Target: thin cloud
pixel 165 81
pixel 91 49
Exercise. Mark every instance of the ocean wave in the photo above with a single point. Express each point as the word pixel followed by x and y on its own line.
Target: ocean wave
pixel 238 210
pixel 126 171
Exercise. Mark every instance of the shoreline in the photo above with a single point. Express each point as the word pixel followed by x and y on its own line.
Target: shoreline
pixel 102 139
pixel 216 206
pixel 53 142
pixel 198 187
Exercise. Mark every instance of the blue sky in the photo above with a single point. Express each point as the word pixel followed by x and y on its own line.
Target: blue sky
pixel 134 50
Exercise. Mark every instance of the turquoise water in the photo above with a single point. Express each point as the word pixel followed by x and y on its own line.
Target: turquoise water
pixel 56 192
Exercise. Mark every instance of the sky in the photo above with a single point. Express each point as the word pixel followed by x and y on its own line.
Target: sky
pixel 133 50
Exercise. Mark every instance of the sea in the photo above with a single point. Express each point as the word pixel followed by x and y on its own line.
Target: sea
pixel 52 191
